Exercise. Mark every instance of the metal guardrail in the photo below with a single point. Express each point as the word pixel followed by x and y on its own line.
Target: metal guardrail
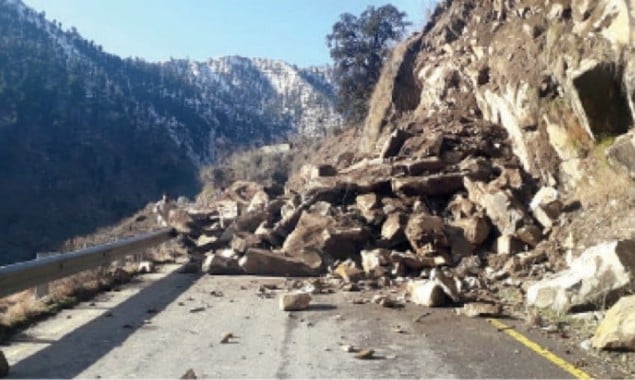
pixel 27 274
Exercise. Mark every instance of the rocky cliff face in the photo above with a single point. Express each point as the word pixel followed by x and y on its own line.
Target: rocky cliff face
pixel 557 75
pixel 481 132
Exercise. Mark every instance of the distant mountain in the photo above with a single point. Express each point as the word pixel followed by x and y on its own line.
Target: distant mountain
pixel 87 137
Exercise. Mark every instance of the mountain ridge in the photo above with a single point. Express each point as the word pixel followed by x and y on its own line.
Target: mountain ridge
pixel 87 137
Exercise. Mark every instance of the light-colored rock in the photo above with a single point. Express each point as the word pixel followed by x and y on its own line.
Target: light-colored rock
pixel 265 262
pixel 428 164
pixel 348 271
pixel 145 267
pixel 427 293
pixel 476 229
pixel 505 212
pixel 597 273
pixel 218 264
pixel 367 202
pixel 546 206
pixel 451 286
pixel 461 207
pixel 479 309
pixel 392 230
pixel 294 301
pixel 373 261
pixel 243 241
pixel 622 153
pixel 508 245
pixel 617 329
pixel 259 201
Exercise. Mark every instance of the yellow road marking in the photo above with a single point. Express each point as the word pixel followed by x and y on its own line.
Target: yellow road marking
pixel 573 370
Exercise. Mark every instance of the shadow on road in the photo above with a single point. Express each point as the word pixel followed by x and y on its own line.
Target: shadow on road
pixel 79 349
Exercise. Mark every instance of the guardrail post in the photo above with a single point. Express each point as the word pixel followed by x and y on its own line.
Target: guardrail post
pixel 42 290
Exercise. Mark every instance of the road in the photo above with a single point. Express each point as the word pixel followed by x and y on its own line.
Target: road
pixel 165 323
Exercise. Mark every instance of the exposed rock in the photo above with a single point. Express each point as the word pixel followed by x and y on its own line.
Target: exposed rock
pixel 314 171
pixel 508 245
pixel 419 167
pixel 250 221
pixel 242 192
pixel 427 293
pixel 206 242
pixel 414 262
pixel 258 201
pixel 392 230
pixel 243 241
pixel 599 273
pixel 373 261
pixel 367 202
pixel 189 374
pixel 546 206
pixel 294 301
pixel 426 234
pixel 622 153
pixel 450 285
pixel 307 239
pixel 617 329
pixel 505 212
pixel 393 144
pixel 348 271
pixel 480 309
pixel 218 264
pixel 460 207
pixel 365 354
pixel 145 267
pixel 434 184
pixel 265 262
pixel 529 234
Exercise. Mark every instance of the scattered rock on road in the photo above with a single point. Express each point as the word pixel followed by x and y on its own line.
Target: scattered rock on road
pixel 226 338
pixel 189 374
pixel 295 301
pixel 365 354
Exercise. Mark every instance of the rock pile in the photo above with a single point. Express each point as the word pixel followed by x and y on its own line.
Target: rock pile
pixel 444 202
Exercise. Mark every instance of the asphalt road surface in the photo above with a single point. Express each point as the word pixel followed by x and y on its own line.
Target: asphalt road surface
pixel 165 323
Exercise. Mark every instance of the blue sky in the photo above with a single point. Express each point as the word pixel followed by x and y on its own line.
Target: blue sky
pixel 292 30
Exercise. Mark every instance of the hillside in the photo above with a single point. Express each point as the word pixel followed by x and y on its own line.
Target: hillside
pixel 494 173
pixel 87 137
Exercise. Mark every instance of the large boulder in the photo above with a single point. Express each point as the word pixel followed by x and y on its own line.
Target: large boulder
pixel 503 209
pixel 622 153
pixel 432 185
pixel 601 272
pixel 427 293
pixel 617 329
pixel 392 230
pixel 295 301
pixel 265 262
pixel 426 234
